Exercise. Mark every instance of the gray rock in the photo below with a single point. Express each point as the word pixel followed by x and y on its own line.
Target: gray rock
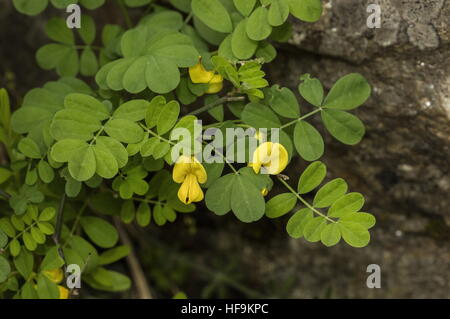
pixel 402 165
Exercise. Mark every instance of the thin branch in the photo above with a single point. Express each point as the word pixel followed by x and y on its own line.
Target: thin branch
pixel 124 10
pixel 5 194
pixel 301 118
pixel 135 267
pixel 304 201
pixel 222 100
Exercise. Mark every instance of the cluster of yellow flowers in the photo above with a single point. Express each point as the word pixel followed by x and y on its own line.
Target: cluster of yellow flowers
pixel 269 158
pixel 56 276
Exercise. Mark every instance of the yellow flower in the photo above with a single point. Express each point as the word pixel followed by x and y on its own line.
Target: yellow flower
pixel 270 158
pixel 215 85
pixel 63 292
pixel 260 136
pixel 264 191
pixel 190 173
pixel 199 74
pixel 55 275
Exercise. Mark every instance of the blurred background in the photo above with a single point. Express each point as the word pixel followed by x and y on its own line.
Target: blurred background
pixel 402 165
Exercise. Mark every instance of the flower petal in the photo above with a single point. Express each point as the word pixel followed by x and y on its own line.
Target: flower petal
pixel 181 169
pixel 198 74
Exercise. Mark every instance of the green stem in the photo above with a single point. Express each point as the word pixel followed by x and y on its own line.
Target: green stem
pixel 77 221
pixel 4 194
pixel 222 100
pixel 304 201
pixel 124 10
pixel 156 135
pixel 301 118
pixel 188 19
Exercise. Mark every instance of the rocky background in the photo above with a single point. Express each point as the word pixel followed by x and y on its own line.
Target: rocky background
pixel 402 166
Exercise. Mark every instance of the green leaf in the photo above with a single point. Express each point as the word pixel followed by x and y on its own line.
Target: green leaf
pixel 47 289
pixel 124 131
pixel 112 255
pixel 108 280
pixel 5 174
pixel 311 177
pixel 297 222
pixel 266 51
pixel 73 124
pixel 311 89
pixel 14 247
pixel 242 46
pixel 247 201
pixel 218 195
pixel 29 148
pixel 128 212
pixel 257 26
pixel 30 7
pixel 88 62
pixel 87 104
pixel 330 192
pixel 58 31
pixel 115 148
pixel 87 30
pixel 24 263
pixel 354 234
pixel 134 110
pixel 63 150
pixel 280 205
pixel 72 187
pixel 284 102
pixel 168 117
pixel 3 239
pixel 260 116
pixel 162 76
pixel 5 269
pixel 143 215
pixel 49 56
pixel 245 7
pixel 69 64
pixel 348 92
pixel 38 235
pixel 308 141
pixel 306 10
pixel 213 14
pixel 46 172
pixel 349 203
pixel 52 260
pixel 330 235
pixel 100 231
pixel 313 229
pixel 345 127
pixel 158 215
pixel 278 12
pixel 82 165
pixel 150 59
pixel 364 219
pixel 46 228
pixel 47 214
pixel 7 227
pixel 105 162
pixel 92 4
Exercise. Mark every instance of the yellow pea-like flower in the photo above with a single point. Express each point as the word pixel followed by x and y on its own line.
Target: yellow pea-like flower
pixel 215 85
pixel 269 158
pixel 55 275
pixel 189 173
pixel 63 292
pixel 199 74
pixel 264 191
